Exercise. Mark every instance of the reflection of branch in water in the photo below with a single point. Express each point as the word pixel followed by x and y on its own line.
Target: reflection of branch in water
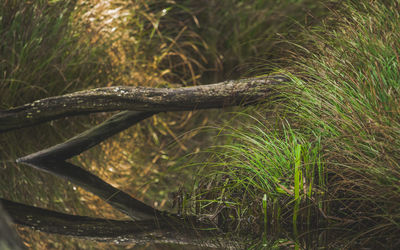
pixel 52 160
pixel 163 229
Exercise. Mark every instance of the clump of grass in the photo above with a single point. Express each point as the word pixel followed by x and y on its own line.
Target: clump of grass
pixel 350 97
pixel 272 173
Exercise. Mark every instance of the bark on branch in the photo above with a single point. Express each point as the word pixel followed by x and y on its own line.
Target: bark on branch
pixel 217 95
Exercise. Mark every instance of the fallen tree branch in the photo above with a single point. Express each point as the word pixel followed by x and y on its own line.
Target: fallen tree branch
pixel 217 95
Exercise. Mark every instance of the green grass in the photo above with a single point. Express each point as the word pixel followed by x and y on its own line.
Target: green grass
pixel 338 148
pixel 258 161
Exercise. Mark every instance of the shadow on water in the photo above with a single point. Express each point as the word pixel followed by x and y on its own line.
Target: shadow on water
pixel 172 232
